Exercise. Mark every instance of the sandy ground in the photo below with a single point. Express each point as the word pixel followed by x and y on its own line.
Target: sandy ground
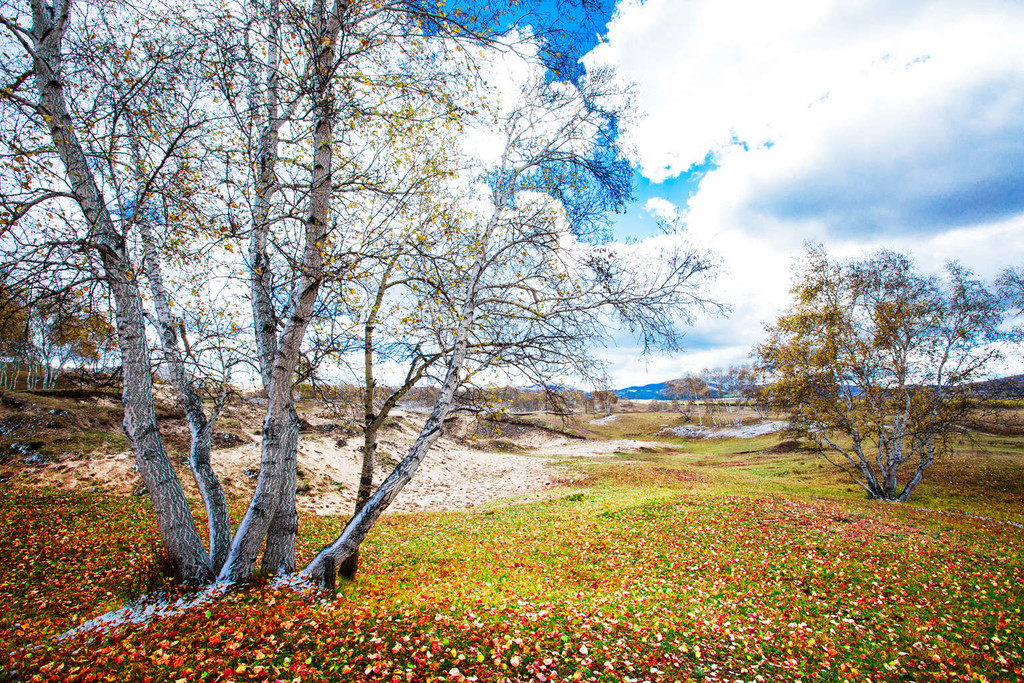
pixel 459 472
pixel 742 432
pixel 590 449
pixel 451 477
pixel 456 474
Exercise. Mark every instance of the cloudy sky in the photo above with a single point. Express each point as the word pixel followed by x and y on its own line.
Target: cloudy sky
pixel 859 124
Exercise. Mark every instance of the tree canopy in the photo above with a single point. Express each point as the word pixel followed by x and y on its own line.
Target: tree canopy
pixel 423 160
pixel 876 363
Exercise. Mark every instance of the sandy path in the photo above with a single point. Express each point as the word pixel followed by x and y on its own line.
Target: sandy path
pixel 451 477
pixel 588 449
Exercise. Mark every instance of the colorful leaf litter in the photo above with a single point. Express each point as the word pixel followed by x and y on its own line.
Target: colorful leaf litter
pixel 617 588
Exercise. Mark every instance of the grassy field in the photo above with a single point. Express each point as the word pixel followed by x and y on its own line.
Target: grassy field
pixel 720 560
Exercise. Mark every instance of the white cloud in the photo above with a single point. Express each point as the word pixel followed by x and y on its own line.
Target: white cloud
pixel 857 124
pixel 662 209
pixel 710 73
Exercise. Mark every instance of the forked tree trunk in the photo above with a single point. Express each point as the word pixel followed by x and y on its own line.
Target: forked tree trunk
pixel 279 556
pixel 273 504
pixel 169 504
pixel 350 564
pixel 200 428
pixel 278 431
pixel 373 422
pixel 927 456
pixel 362 522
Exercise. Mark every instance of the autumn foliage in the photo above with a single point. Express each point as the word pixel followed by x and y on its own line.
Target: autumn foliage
pixel 613 585
pixel 877 363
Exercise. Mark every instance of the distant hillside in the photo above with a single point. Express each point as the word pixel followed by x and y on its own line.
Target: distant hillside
pixel 646 391
pixel 1003 387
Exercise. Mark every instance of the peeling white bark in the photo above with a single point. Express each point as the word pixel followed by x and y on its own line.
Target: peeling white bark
pixel 169 504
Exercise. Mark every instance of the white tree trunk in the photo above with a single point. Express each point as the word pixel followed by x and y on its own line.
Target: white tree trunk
pixel 200 429
pixel 169 504
pixel 279 556
pixel 273 503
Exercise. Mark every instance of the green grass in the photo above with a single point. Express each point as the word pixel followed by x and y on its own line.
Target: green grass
pixel 983 474
pixel 703 560
pixel 56 433
pixel 652 426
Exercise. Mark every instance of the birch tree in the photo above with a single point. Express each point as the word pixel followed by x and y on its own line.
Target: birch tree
pixel 359 96
pixel 120 143
pixel 688 390
pixel 65 328
pixel 525 287
pixel 876 363
pixel 95 191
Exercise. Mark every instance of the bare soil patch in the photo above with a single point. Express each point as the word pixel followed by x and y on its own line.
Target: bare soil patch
pixel 475 462
pixel 457 473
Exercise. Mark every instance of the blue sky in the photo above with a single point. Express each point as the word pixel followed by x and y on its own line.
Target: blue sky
pixel 567 35
pixel 859 125
pixel 641 219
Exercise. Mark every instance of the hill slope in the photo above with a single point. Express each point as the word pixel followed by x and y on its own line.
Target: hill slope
pixel 646 391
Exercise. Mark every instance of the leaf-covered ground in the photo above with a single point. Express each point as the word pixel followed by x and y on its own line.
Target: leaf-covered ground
pixel 666 567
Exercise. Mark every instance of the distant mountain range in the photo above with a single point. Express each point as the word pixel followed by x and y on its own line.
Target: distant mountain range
pixel 1004 387
pixel 656 390
pixel 646 391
